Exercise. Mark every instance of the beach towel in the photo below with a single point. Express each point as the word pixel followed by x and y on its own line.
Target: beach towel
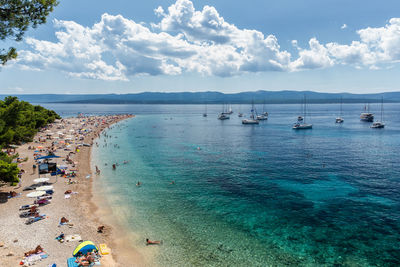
pixel 71 262
pixel 71 238
pixel 33 259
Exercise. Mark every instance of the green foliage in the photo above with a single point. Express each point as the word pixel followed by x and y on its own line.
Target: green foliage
pixel 15 18
pixel 8 172
pixel 19 122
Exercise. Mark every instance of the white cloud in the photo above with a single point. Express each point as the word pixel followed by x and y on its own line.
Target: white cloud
pixel 344 26
pixel 190 40
pixel 314 58
pixel 376 46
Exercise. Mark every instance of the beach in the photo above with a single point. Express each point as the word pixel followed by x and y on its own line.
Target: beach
pixel 78 206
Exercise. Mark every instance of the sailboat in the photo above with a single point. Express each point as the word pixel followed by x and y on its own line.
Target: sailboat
pixel 227 111
pixel 205 112
pixel 223 115
pixel 301 124
pixel 379 124
pixel 264 114
pixel 240 114
pixel 340 119
pixel 252 119
pixel 366 115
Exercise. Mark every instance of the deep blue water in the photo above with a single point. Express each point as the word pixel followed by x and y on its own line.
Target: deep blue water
pixel 255 195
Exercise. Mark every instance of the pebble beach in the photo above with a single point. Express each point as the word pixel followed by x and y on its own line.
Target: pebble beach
pixel 70 139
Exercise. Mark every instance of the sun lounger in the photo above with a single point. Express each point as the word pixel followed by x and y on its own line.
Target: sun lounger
pixel 27 214
pixel 27 207
pixel 72 262
pixel 42 202
pixel 44 197
pixel 35 219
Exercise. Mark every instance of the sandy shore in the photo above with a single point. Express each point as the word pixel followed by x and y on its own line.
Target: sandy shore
pixel 16 237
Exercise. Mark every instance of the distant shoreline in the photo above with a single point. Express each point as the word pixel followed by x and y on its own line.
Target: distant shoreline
pixel 177 98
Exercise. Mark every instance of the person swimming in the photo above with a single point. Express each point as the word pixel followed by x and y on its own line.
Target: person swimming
pixel 149 242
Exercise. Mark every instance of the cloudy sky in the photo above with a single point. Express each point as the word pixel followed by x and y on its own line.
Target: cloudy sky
pixel 126 46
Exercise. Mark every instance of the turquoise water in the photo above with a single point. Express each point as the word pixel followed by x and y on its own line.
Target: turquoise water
pixel 256 195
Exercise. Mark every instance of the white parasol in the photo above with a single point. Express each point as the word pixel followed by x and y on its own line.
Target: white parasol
pixel 41 180
pixel 44 188
pixel 36 194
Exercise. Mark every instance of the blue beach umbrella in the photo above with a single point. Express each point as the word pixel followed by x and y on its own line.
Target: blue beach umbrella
pixel 84 247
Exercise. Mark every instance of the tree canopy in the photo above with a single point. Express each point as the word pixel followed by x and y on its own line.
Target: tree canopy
pixel 19 122
pixel 16 16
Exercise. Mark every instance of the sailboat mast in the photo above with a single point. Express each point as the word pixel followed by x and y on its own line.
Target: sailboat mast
pixel 341 103
pixel 305 108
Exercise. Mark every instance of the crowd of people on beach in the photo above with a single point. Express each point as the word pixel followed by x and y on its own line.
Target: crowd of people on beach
pixel 57 144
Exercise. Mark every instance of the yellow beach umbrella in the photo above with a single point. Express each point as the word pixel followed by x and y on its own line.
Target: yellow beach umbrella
pixel 84 247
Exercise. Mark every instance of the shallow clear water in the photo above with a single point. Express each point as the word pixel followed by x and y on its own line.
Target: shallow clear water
pixel 256 195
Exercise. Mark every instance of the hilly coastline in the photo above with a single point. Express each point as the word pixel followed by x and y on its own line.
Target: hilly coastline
pixel 269 97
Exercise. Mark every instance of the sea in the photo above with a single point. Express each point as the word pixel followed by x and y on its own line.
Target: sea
pixel 219 193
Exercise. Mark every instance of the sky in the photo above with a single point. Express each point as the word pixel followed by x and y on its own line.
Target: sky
pixel 127 46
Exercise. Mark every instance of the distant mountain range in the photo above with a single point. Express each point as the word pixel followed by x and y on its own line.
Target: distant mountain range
pixel 271 97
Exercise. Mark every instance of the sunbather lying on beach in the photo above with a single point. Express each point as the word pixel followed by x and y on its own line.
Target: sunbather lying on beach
pixel 37 250
pixel 86 260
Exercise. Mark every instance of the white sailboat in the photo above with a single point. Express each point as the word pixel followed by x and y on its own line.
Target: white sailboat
pixel 264 115
pixel 252 119
pixel 302 125
pixel 223 115
pixel 366 115
pixel 340 119
pixel 379 124
pixel 240 114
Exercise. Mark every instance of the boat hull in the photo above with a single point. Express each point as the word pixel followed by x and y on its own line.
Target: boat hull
pixel 378 125
pixel 302 126
pixel 339 120
pixel 367 117
pixel 250 122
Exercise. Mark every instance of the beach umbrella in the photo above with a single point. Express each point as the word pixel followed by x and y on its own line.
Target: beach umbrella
pixel 44 188
pixel 41 180
pixel 48 157
pixel 36 194
pixel 84 247
pixel 72 130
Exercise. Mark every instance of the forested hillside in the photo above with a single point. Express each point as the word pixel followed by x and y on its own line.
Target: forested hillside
pixel 19 122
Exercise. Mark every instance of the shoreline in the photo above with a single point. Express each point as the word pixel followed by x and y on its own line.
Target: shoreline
pixel 125 250
pixel 81 209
